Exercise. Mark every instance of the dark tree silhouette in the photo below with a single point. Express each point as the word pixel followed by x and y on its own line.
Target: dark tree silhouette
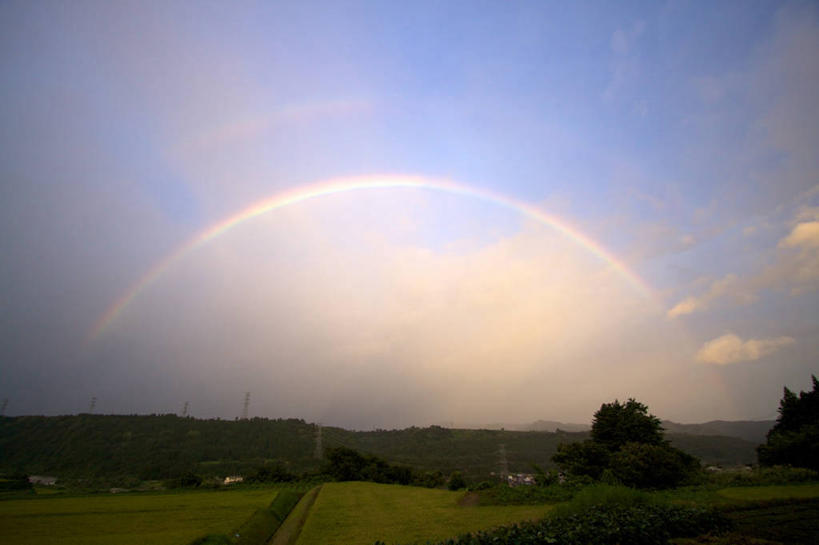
pixel 794 439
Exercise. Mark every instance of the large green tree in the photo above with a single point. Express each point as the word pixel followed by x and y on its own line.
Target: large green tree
pixel 794 439
pixel 627 441
pixel 616 424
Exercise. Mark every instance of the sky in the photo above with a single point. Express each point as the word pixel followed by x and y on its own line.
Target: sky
pixel 385 214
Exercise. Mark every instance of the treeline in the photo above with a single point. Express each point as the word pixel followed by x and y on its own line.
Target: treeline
pixel 149 447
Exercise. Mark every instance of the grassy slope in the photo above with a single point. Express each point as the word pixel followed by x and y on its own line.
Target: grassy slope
pixel 360 513
pixel 172 519
pixel 289 531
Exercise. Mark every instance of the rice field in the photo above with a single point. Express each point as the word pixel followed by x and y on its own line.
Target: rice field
pixel 128 519
pixel 359 513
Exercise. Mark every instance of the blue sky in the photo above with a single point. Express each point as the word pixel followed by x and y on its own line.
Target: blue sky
pixel 678 136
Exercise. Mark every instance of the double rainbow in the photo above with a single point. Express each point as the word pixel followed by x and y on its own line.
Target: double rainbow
pixel 340 185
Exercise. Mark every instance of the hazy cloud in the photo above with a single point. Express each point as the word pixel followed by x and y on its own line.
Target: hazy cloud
pixel 805 235
pixel 730 348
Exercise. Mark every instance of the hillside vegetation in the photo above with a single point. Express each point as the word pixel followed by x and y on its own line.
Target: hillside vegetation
pixel 166 446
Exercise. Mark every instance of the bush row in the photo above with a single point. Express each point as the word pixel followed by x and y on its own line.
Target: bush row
pixel 636 525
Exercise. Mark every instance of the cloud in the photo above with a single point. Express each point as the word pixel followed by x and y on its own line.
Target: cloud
pixel 795 269
pixel 624 66
pixel 730 285
pixel 730 348
pixel 805 235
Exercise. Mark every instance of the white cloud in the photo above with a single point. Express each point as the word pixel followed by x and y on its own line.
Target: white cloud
pixel 730 285
pixel 805 235
pixel 730 348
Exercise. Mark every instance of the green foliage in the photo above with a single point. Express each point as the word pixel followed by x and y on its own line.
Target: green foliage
pixel 586 458
pixel 456 481
pixel 616 424
pixel 346 464
pixel 627 446
pixel 764 476
pixel 794 439
pixel 15 482
pixel 543 477
pixel 284 502
pixel 100 451
pixel 429 479
pixel 605 495
pixel 271 473
pixel 258 528
pixel 635 523
pixel 652 466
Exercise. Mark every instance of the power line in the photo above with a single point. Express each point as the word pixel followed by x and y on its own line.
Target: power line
pixel 247 404
pixel 504 464
pixel 319 451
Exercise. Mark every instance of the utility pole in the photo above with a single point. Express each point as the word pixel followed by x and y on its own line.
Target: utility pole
pixel 185 410
pixel 319 451
pixel 92 405
pixel 504 464
pixel 247 404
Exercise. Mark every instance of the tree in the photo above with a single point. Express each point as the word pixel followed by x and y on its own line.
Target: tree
pixel 794 439
pixel 643 465
pixel 627 443
pixel 583 458
pixel 616 424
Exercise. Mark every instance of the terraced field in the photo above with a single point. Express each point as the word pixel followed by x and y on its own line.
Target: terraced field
pixel 360 513
pixel 131 519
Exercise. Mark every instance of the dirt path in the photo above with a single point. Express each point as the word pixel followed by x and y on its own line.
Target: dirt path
pixel 289 531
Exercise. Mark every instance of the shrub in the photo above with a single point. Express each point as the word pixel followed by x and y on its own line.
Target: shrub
pixel 583 458
pixel 283 503
pixel 652 466
pixel 456 481
pixel 638 524
pixel 273 473
pixel 602 495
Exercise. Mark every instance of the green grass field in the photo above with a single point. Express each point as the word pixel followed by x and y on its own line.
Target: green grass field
pixel 173 518
pixel 763 493
pixel 360 513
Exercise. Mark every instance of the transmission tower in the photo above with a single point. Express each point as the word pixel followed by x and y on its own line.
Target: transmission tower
pixel 92 405
pixel 247 404
pixel 3 408
pixel 185 410
pixel 319 451
pixel 504 464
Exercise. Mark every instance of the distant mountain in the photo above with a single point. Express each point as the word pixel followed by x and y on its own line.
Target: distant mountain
pixel 552 425
pixel 749 430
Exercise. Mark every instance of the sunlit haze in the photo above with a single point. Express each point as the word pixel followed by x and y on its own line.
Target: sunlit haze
pixel 385 214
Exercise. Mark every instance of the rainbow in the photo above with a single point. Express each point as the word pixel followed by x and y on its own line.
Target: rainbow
pixel 341 185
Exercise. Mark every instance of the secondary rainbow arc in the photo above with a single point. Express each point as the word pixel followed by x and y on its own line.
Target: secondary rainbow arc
pixel 339 185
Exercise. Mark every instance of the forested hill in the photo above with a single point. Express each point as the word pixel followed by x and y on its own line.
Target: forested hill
pixel 164 446
pixel 750 430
